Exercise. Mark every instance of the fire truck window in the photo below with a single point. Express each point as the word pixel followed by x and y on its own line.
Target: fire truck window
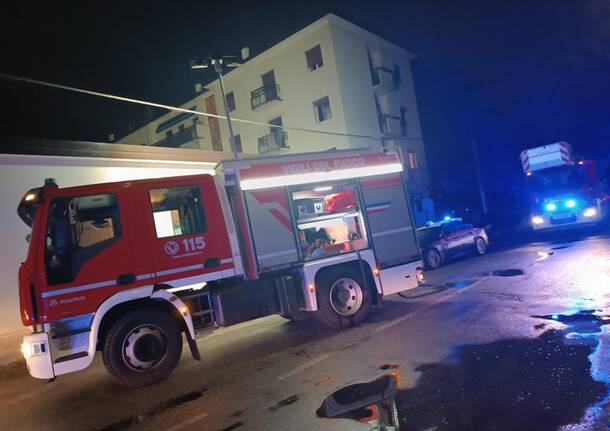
pixel 177 211
pixel 79 228
pixel 329 220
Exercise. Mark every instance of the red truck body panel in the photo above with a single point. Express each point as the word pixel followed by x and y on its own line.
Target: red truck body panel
pixel 136 258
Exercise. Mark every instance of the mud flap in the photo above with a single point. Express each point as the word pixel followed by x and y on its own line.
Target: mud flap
pixel 193 347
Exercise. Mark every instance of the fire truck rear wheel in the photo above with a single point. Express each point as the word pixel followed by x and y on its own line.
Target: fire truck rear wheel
pixel 343 299
pixel 142 347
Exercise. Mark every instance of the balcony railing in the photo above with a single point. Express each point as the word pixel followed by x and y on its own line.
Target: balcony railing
pixel 272 142
pixel 264 94
pixel 176 140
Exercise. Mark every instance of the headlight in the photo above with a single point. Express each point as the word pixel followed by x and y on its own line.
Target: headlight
pixel 571 203
pixel 589 212
pixel 33 349
pixel 537 220
pixel 551 206
pixel 26 350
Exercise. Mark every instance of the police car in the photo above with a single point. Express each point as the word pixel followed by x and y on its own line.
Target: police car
pixel 448 238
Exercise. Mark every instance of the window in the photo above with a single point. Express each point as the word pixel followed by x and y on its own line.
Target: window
pixel 396 76
pixel 79 228
pixel 177 211
pixel 329 220
pixel 231 101
pixel 314 58
pixel 238 144
pixel 375 78
pixel 403 121
pixel 322 109
pixel 412 159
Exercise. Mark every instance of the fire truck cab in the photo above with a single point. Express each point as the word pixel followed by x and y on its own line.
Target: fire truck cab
pixel 128 267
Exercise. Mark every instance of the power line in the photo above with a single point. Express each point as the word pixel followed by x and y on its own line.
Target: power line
pixel 192 111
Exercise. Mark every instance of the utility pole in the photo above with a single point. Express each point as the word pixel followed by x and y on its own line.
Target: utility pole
pixel 477 164
pixel 475 153
pixel 218 63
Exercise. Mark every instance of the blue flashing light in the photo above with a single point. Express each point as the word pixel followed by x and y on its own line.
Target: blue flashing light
pixel 446 218
pixel 551 206
pixel 570 203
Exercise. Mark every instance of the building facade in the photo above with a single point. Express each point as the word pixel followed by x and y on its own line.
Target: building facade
pixel 332 85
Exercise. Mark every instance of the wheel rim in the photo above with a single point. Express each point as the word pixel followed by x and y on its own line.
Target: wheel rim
pixel 144 348
pixel 480 246
pixel 434 259
pixel 346 296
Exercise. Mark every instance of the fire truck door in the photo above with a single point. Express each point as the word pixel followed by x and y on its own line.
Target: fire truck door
pixel 86 253
pixel 188 238
pixel 390 222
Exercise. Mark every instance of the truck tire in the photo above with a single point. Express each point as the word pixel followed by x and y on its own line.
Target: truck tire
pixel 480 245
pixel 433 258
pixel 343 298
pixel 142 347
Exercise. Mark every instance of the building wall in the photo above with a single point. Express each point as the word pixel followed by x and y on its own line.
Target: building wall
pixel 345 78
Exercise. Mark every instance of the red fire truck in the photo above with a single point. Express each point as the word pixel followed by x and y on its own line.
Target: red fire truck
pixel 127 267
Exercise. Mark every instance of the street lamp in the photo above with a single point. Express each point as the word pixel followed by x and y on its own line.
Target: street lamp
pixel 217 63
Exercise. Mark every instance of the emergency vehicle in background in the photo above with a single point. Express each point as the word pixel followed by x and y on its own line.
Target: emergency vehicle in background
pixel 563 191
pixel 127 267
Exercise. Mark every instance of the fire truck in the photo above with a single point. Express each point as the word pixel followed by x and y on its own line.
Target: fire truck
pixel 564 191
pixel 127 268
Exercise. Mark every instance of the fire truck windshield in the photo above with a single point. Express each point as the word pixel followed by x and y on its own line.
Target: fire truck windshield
pixel 558 180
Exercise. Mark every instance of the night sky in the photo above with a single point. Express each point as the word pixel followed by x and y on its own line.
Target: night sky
pixel 512 74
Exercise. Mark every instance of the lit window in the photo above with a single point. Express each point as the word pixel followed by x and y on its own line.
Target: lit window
pixel 322 109
pixel 231 101
pixel 412 158
pixel 329 220
pixel 177 211
pixel 314 58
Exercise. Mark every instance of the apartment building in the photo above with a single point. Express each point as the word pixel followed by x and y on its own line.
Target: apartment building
pixel 332 85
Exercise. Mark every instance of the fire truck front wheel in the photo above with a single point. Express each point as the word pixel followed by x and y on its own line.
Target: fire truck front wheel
pixel 142 347
pixel 343 298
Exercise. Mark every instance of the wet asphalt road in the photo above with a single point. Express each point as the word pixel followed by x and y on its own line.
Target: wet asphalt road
pixel 474 350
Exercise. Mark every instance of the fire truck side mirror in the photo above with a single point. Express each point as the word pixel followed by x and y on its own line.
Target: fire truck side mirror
pixel 28 237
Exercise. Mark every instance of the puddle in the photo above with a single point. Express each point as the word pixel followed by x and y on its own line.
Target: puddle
pixel 518 384
pixel 285 402
pixel 543 255
pixel 153 411
pixel 461 283
pixel 511 272
pixel 425 290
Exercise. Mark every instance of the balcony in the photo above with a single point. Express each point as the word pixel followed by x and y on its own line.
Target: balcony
pixel 265 94
pixel 177 140
pixel 391 125
pixel 274 141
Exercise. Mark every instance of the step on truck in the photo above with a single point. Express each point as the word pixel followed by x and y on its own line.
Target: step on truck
pixel 127 268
